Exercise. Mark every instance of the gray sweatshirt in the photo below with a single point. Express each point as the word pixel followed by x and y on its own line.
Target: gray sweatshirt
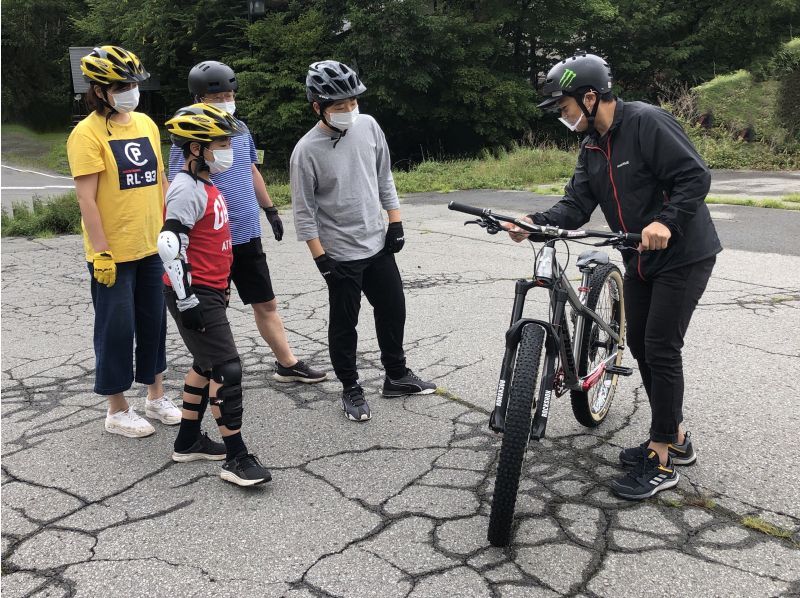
pixel 338 193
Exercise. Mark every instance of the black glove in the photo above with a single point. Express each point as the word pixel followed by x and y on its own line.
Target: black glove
pixel 328 267
pixel 274 221
pixel 395 239
pixel 192 318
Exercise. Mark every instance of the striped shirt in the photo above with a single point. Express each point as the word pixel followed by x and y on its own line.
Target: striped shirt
pixel 236 185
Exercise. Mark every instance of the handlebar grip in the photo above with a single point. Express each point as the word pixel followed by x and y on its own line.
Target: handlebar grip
pixel 460 207
pixel 635 237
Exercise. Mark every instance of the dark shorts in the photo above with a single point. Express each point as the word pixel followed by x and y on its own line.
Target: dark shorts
pixel 250 273
pixel 215 346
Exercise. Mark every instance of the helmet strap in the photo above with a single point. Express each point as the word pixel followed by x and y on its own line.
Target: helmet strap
pixel 328 124
pixel 590 116
pixel 198 162
pixel 111 110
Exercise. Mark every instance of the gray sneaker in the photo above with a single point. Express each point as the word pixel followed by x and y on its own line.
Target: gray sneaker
pixel 354 405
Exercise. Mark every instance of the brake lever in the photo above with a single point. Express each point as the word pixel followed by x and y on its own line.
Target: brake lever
pixel 492 227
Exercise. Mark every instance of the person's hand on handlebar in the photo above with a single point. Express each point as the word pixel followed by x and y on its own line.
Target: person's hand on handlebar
pixel 655 236
pixel 517 234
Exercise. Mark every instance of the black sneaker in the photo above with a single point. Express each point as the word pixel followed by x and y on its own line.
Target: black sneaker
pixel 299 372
pixel 682 454
pixel 245 470
pixel 203 448
pixel 410 384
pixel 354 405
pixel 647 478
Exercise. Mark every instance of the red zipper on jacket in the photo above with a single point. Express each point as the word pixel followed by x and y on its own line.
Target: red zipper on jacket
pixel 616 196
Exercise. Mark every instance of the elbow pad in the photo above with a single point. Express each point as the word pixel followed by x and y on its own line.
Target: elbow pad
pixel 172 251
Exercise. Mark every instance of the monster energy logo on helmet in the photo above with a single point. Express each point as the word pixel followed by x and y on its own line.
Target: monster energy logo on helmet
pixel 567 78
pixel 573 74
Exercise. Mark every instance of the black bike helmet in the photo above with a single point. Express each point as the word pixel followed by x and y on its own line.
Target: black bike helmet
pixel 329 81
pixel 211 76
pixel 574 73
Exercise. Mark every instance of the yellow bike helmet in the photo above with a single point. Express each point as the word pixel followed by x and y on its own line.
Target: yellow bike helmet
pixel 202 123
pixel 111 64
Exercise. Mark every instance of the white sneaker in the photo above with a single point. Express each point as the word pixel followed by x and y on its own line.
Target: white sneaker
pixel 163 410
pixel 128 423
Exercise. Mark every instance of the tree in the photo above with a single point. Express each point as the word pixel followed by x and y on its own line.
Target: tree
pixel 36 79
pixel 169 37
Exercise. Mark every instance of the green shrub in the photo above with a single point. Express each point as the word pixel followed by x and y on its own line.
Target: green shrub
pixel 44 218
pixel 520 168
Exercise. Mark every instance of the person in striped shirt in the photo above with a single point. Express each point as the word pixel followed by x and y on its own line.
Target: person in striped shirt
pixel 245 193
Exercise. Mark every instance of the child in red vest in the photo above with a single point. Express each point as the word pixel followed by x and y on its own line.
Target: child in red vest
pixel 195 246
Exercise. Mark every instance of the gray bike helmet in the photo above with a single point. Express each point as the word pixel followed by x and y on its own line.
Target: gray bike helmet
pixel 330 81
pixel 572 74
pixel 211 76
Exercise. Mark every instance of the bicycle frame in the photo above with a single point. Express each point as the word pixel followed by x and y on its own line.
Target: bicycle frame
pixel 559 347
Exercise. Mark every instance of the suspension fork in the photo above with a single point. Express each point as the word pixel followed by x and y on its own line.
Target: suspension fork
pixel 513 335
pixel 497 420
pixel 554 350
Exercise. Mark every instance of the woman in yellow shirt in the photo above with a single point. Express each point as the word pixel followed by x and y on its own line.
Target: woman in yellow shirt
pixel 115 158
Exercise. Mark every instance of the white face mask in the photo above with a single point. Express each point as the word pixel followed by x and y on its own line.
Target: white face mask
pixel 223 160
pixel 343 120
pixel 229 107
pixel 570 126
pixel 126 101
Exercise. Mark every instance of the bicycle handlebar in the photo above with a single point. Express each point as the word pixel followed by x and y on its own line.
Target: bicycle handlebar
pixel 552 231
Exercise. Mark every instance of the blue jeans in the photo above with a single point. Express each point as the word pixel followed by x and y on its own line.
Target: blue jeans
pixel 132 309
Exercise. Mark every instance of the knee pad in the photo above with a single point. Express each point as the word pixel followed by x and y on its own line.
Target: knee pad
pixel 229 395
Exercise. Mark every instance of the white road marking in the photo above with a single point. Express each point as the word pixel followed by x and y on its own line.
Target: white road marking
pixel 52 176
pixel 38 188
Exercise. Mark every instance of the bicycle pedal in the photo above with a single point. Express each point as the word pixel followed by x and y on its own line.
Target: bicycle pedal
pixel 619 370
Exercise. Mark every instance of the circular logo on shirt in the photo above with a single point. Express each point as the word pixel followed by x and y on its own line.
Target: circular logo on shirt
pixel 133 151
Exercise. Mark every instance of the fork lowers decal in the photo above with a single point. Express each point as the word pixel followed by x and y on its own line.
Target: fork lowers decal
pixel 501 386
pixel 546 403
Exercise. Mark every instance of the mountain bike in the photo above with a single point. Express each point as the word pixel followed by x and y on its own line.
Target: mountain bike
pixel 587 363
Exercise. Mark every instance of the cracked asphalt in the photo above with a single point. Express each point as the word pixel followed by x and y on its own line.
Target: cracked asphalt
pixel 399 506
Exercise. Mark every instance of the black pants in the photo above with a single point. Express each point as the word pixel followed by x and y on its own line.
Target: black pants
pixel 379 279
pixel 657 313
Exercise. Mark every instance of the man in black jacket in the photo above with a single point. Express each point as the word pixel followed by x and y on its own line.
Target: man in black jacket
pixel 638 165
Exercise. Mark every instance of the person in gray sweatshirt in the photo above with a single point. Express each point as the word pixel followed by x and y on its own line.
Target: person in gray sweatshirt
pixel 341 180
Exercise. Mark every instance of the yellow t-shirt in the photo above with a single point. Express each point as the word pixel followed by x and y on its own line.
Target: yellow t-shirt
pixel 129 192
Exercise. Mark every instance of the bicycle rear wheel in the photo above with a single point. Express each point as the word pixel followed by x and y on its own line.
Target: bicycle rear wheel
pixel 521 397
pixel 605 299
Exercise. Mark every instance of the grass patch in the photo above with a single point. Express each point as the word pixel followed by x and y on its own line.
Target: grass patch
pixel 522 168
pixel 765 527
pixel 782 203
pixel 278 186
pixel 44 218
pixel 25 147
pixel 740 101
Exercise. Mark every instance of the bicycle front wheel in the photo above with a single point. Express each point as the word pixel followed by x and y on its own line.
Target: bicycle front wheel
pixel 605 299
pixel 521 397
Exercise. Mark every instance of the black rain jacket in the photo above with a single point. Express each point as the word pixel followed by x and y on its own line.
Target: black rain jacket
pixel 643 169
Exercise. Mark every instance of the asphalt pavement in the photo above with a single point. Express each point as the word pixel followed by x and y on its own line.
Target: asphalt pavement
pixel 20 185
pixel 399 506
